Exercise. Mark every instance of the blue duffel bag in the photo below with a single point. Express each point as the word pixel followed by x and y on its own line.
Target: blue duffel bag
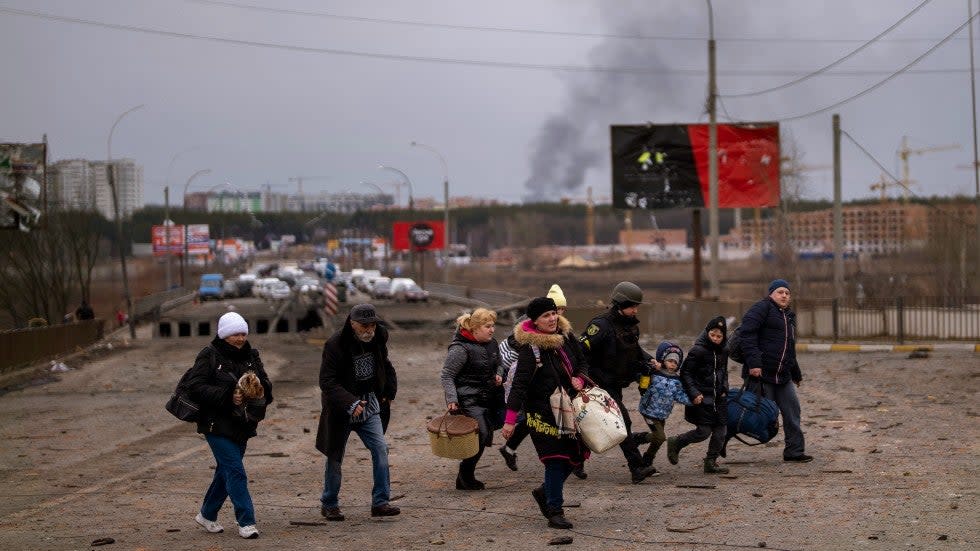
pixel 752 415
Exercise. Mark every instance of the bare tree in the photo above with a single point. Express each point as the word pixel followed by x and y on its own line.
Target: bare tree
pixel 40 268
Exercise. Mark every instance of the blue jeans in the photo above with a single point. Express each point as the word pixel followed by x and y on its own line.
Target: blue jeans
pixel 229 480
pixel 555 473
pixel 374 440
pixel 789 408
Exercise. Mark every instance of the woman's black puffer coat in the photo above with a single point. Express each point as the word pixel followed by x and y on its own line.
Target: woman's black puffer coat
pixel 212 385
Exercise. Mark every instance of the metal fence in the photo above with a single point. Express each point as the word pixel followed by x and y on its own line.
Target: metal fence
pixel 24 346
pixel 895 319
pixel 898 318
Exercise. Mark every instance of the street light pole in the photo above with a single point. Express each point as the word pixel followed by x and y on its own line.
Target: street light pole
pixel 411 210
pixel 712 159
pixel 411 194
pixel 445 217
pixel 183 264
pixel 110 173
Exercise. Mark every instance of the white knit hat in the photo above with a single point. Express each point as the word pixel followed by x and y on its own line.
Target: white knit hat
pixel 231 323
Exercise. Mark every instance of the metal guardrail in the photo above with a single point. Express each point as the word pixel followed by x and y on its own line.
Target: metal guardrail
pixel 163 301
pixel 490 298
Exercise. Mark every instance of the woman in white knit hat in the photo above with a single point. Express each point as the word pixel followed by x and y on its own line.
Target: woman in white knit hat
pixel 227 420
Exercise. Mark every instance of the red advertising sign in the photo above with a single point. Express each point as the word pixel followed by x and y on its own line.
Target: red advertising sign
pixel 427 235
pixel 197 239
pixel 160 235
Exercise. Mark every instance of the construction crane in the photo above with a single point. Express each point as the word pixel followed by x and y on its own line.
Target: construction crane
pixel 299 181
pixel 904 153
pixel 882 185
pixel 589 212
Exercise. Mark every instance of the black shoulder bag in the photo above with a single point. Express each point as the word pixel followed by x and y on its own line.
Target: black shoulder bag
pixel 180 405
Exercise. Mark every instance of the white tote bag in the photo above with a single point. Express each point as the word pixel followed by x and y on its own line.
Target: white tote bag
pixel 600 423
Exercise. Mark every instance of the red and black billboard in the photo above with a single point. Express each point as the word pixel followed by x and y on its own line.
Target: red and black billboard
pixel 666 166
pixel 418 236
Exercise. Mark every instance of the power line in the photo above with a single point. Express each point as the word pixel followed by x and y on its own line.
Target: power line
pixel 835 63
pixel 427 24
pixel 882 82
pixel 395 57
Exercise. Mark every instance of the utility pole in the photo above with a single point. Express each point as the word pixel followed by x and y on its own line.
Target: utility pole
pixel 166 229
pixel 589 218
pixel 713 224
pixel 976 162
pixel 838 216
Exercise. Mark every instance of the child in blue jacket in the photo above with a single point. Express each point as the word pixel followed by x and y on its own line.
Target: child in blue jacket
pixel 658 401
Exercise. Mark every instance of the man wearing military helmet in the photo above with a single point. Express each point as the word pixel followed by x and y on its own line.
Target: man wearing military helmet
pixel 611 343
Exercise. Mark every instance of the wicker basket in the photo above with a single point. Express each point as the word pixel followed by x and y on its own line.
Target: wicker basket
pixel 454 436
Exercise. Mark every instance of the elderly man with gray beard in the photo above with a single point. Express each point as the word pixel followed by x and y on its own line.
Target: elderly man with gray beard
pixel 357 384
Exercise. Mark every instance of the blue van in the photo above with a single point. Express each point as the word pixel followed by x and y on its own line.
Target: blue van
pixel 212 286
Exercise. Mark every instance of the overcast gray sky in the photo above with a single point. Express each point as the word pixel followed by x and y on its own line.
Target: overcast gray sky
pixel 517 95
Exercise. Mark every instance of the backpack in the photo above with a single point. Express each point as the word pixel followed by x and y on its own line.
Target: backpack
pixel 180 405
pixel 734 346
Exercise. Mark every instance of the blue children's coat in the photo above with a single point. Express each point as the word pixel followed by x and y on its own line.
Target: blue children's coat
pixel 658 401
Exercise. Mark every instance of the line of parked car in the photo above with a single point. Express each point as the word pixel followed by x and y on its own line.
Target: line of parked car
pixel 399 289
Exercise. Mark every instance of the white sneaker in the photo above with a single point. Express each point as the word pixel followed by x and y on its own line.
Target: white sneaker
pixel 249 532
pixel 209 525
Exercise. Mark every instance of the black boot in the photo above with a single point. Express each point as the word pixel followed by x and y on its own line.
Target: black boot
pixel 556 519
pixel 466 479
pixel 673 450
pixel 711 466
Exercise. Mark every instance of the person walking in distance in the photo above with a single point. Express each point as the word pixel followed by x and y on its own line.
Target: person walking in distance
pixel 357 385
pixel 767 335
pixel 612 345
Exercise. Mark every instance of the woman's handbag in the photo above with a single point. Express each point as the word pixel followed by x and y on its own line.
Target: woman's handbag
pixel 753 415
pixel 600 423
pixel 182 407
pixel 454 436
pixel 180 404
pixel 564 411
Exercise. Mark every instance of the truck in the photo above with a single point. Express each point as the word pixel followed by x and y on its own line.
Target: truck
pixel 212 286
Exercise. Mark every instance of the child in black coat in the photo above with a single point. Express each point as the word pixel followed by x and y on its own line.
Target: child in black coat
pixel 704 375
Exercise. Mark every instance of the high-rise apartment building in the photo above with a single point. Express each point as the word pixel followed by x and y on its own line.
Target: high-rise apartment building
pixel 84 185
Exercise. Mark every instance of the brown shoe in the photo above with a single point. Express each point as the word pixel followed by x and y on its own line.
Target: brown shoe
pixel 332 513
pixel 386 510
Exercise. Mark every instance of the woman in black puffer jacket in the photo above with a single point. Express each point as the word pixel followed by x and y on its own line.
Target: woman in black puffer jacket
pixel 548 358
pixel 227 421
pixel 704 375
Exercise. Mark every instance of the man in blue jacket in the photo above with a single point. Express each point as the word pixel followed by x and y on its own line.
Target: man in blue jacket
pixel 768 340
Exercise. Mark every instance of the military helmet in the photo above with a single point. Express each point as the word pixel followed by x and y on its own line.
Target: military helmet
pixel 627 292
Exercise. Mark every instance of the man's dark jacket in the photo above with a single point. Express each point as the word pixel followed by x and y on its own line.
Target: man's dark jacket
pixel 767 336
pixel 339 388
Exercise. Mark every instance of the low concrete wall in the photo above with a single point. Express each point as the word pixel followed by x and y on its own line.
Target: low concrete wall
pixel 25 346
